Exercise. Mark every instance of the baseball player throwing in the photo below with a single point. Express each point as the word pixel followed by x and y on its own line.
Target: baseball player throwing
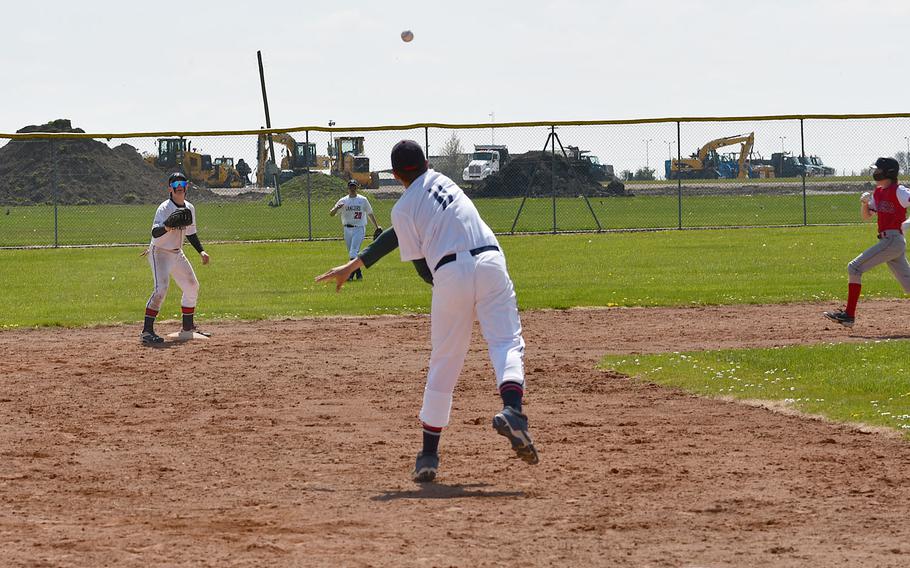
pixel 438 228
pixel 165 254
pixel 889 201
pixel 354 211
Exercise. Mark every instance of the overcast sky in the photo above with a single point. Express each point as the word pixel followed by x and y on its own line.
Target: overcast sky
pixel 150 66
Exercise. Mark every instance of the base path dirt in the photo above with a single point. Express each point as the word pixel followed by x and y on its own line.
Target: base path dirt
pixel 289 443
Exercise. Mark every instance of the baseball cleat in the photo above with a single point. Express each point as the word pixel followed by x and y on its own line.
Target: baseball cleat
pixel 425 468
pixel 514 425
pixel 841 317
pixel 150 338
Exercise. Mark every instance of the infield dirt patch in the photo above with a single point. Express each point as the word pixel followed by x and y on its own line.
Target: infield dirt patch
pixel 289 443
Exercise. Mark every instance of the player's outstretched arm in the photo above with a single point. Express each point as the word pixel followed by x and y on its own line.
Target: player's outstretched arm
pixel 341 273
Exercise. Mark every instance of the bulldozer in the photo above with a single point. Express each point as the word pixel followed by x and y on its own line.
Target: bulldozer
pixel 708 164
pixel 300 158
pixel 351 163
pixel 201 169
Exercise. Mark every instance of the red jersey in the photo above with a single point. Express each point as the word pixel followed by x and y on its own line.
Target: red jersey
pixel 890 211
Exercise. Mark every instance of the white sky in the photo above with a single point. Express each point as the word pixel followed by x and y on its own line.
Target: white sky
pixel 114 66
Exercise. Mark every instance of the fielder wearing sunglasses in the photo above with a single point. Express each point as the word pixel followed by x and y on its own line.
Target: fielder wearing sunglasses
pixel 165 254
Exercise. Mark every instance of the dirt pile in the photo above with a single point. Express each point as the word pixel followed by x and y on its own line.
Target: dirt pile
pixel 533 174
pixel 78 171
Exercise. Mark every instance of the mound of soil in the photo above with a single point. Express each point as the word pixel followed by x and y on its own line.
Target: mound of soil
pixel 321 185
pixel 533 174
pixel 78 171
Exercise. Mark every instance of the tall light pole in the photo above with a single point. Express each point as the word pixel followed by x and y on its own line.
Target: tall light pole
pixel 492 131
pixel 782 138
pixel 331 142
pixel 648 141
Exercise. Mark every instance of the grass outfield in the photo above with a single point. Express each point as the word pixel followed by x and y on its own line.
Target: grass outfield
pixel 848 382
pixel 241 221
pixel 76 287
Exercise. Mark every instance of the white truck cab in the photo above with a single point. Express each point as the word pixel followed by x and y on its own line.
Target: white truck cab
pixel 485 161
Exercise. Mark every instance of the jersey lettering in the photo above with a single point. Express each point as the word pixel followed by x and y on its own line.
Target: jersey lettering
pixel 358 215
pixel 440 195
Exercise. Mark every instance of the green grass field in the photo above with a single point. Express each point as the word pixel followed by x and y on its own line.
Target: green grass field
pixel 233 221
pixel 849 382
pixel 76 287
pixel 89 286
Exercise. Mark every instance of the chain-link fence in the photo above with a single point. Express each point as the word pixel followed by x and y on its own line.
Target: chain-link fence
pixel 59 186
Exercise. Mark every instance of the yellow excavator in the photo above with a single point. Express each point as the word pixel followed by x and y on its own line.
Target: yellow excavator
pixel 201 169
pixel 351 163
pixel 300 157
pixel 708 164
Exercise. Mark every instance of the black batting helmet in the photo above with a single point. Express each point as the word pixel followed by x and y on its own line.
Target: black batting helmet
pixel 176 176
pixel 352 183
pixel 889 167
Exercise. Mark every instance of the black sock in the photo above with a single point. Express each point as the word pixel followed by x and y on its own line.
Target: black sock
pixel 511 393
pixel 149 324
pixel 431 437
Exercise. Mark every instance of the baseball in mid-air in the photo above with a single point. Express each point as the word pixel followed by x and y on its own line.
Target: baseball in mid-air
pixel 407 35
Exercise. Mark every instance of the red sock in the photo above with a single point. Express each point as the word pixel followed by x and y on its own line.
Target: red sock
pixel 852 298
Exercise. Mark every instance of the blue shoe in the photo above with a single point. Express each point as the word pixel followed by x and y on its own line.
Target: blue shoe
pixel 514 425
pixel 425 468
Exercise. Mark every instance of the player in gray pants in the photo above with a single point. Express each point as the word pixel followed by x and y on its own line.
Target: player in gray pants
pixel 889 201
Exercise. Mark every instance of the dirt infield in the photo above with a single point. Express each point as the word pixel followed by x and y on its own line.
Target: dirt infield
pixel 288 443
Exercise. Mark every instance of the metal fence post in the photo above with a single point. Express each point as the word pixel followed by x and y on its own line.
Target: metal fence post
pixel 678 176
pixel 802 141
pixel 56 187
pixel 309 204
pixel 426 140
pixel 553 173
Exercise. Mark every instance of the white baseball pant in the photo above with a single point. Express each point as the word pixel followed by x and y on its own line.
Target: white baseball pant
pixel 353 238
pixel 166 263
pixel 469 288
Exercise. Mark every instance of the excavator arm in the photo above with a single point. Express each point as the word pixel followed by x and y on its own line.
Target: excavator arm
pixel 726 141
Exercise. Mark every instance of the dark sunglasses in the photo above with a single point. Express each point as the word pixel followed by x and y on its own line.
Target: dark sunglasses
pixel 177 184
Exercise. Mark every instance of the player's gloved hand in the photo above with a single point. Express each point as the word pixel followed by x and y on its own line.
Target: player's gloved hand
pixel 866 196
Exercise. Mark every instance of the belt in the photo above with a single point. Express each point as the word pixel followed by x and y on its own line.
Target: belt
pixel 885 233
pixel 350 226
pixel 451 257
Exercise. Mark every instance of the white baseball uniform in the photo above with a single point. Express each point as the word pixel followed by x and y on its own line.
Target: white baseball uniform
pixel 167 259
pixel 436 221
pixel 354 214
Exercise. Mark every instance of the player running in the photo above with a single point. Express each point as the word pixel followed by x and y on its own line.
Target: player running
pixel 889 202
pixel 438 228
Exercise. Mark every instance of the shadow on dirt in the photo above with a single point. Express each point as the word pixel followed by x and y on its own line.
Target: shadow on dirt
pixel 441 491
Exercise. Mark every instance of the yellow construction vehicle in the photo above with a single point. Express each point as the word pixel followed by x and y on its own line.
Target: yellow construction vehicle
pixel 350 162
pixel 708 164
pixel 177 154
pixel 300 157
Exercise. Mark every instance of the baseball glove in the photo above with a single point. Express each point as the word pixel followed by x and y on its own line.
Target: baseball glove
pixel 179 219
pixel 377 232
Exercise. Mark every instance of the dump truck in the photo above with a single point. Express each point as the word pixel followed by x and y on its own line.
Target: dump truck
pixel 485 161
